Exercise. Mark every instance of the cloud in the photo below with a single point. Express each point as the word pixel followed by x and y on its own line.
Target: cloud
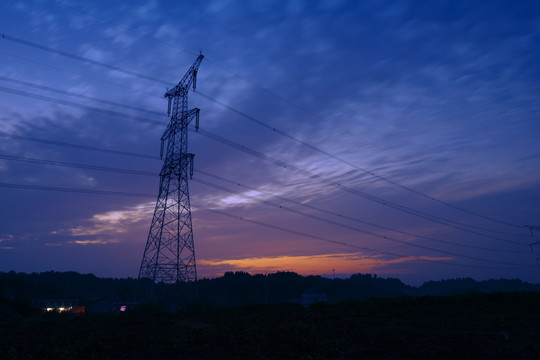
pixel 6 238
pixel 166 32
pixel 92 242
pixel 112 222
pixel 83 242
pixel 148 11
pixel 237 197
pixel 94 53
pixel 119 36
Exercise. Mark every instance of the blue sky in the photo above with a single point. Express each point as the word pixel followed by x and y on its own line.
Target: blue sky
pixel 437 99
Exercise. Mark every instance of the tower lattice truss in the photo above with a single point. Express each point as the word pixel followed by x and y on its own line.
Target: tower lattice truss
pixel 169 254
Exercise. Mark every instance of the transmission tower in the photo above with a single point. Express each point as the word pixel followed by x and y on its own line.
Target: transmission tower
pixel 169 255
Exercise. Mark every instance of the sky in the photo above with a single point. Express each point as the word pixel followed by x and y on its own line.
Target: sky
pixel 399 138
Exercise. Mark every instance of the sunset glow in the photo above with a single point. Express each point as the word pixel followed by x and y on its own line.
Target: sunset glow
pixel 341 263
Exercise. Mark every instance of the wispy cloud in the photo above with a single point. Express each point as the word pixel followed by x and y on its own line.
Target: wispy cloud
pixel 6 238
pixel 92 242
pixel 83 242
pixel 112 222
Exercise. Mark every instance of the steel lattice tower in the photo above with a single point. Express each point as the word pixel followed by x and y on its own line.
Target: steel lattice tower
pixel 169 255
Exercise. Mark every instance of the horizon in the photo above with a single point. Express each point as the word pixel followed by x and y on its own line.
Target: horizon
pixel 324 276
pixel 399 139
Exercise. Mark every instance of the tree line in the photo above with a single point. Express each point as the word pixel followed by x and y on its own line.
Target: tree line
pixel 241 288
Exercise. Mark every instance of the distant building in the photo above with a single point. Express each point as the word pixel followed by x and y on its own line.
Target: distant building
pixel 59 305
pixel 105 305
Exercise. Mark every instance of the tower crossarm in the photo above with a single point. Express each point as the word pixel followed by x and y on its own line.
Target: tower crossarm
pixel 189 78
pixel 176 124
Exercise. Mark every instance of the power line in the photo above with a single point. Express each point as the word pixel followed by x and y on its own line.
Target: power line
pixel 259 155
pixel 408 210
pixel 123 87
pixel 316 237
pixel 76 105
pixel 398 185
pixel 280 163
pixel 153 38
pixel 354 219
pixel 118 193
pixel 76 146
pixel 48 162
pixel 370 233
pixel 131 194
pixel 266 158
pixel 147 173
pixel 292 137
pixel 31 44
pixel 124 28
pixel 72 190
pixel 83 59
pixel 75 165
pixel 81 96
pixel 319 150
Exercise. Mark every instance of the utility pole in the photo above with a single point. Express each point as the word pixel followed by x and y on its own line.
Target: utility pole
pixel 169 254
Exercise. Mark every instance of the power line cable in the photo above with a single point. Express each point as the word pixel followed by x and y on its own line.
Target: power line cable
pixel 316 237
pixel 280 163
pixel 75 165
pixel 257 154
pixel 224 68
pixel 77 105
pixel 344 216
pixel 362 231
pixel 83 59
pixel 48 162
pixel 76 146
pixel 319 150
pixel 290 136
pixel 72 190
pixel 131 194
pixel 395 183
pixel 214 137
pixel 147 173
pixel 31 44
pixel 408 210
pixel 101 192
pixel 81 96
pixel 341 216
pixel 124 28
pixel 41 47
pixel 84 75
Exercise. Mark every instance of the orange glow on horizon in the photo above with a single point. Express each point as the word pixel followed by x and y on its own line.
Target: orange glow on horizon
pixel 344 263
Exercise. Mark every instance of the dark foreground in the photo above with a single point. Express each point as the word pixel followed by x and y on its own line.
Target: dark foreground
pixel 476 326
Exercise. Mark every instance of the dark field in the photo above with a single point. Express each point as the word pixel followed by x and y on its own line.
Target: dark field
pixel 475 326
